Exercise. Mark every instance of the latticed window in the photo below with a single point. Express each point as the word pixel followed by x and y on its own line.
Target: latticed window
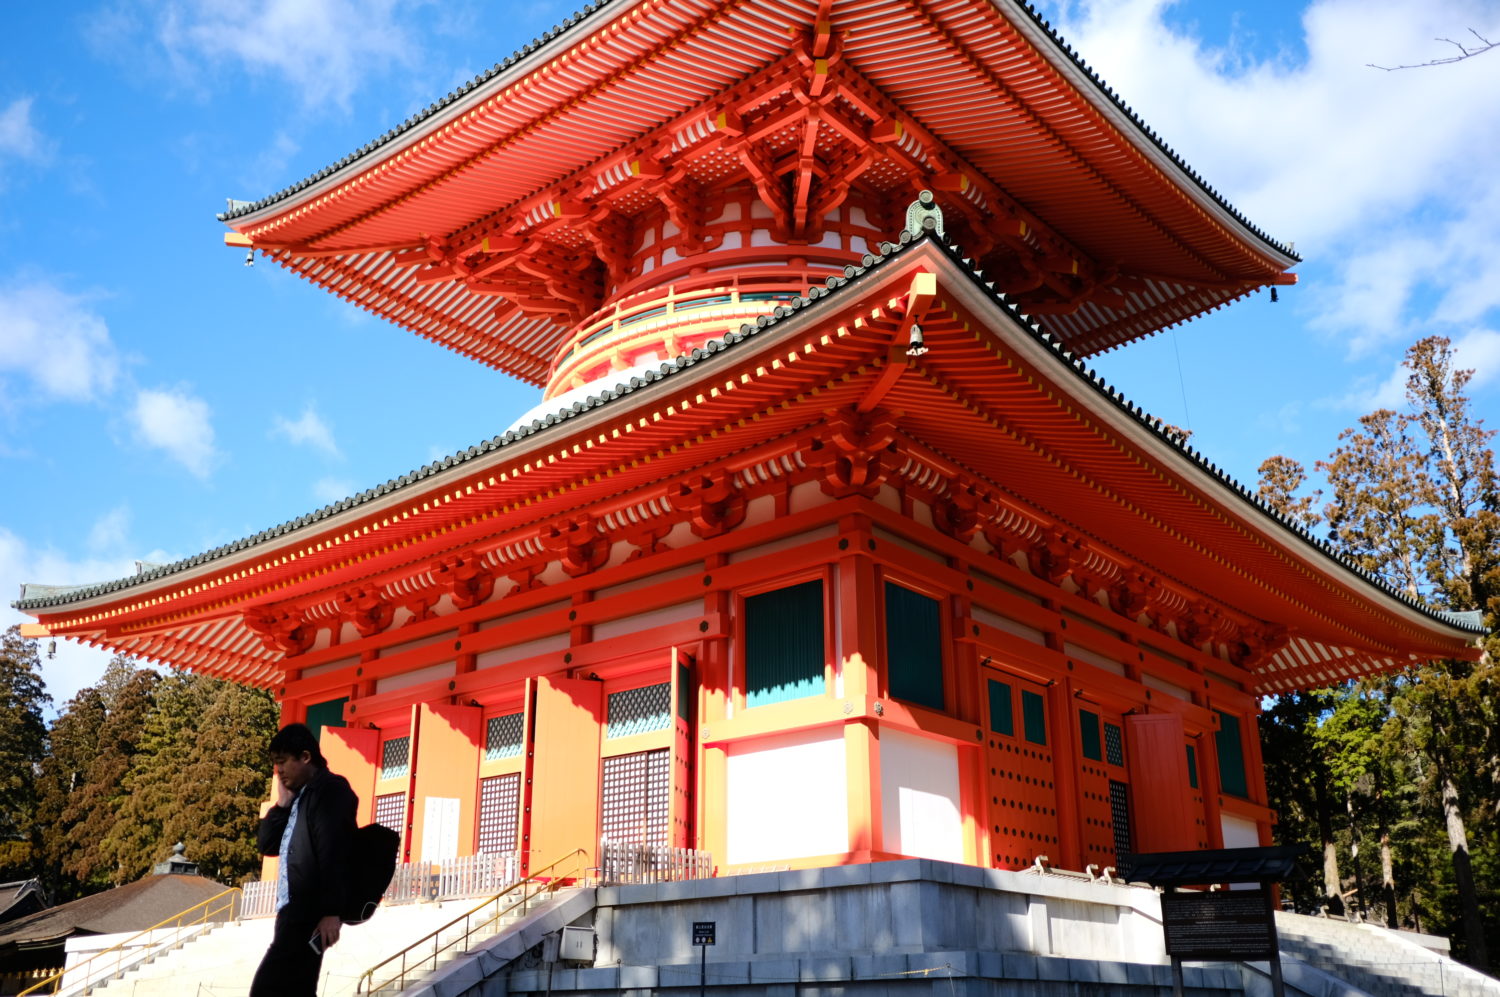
pixel 1114 745
pixel 634 797
pixel 637 711
pixel 395 758
pixel 1119 812
pixel 503 737
pixel 499 807
pixel 390 811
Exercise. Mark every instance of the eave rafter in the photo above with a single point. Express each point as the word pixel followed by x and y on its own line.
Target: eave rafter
pixel 552 255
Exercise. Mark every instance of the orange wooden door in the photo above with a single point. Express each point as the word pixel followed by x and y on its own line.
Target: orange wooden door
pixel 564 755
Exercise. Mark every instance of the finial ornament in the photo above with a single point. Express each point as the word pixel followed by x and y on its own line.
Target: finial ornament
pixel 924 207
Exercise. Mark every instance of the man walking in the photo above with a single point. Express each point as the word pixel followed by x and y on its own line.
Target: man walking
pixel 310 830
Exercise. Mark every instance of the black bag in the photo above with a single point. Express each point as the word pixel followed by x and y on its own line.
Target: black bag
pixel 371 866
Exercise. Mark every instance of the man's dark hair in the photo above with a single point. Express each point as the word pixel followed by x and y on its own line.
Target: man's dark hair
pixel 293 739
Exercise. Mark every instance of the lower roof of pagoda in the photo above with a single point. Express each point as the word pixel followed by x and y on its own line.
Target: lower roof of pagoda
pixel 1011 444
pixel 494 222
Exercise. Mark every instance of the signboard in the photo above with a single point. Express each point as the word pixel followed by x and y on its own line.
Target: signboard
pixel 1229 924
pixel 703 932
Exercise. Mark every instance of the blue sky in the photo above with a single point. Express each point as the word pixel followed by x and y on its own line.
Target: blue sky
pixel 158 398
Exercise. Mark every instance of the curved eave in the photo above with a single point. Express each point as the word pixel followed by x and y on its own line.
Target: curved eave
pixel 991 80
pixel 395 523
pixel 597 16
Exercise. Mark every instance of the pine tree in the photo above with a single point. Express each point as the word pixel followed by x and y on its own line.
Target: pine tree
pixel 72 744
pixel 23 740
pixel 93 809
pixel 1415 502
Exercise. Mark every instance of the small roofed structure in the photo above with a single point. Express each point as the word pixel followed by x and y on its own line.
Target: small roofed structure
pixel 37 943
pixel 20 898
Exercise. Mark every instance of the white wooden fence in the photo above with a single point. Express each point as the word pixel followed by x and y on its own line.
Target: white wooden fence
pixel 468 876
pixel 623 862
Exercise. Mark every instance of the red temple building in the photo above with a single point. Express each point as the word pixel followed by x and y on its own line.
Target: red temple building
pixel 824 545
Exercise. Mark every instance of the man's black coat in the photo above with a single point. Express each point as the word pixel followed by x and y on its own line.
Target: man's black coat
pixel 318 873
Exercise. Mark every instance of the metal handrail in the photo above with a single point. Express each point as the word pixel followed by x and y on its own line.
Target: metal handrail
pixel 118 949
pixel 546 880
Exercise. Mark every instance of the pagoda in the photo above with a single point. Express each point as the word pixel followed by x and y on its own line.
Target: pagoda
pixel 824 545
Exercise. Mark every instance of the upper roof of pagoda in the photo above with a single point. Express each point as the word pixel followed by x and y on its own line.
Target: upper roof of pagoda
pixel 999 422
pixel 538 182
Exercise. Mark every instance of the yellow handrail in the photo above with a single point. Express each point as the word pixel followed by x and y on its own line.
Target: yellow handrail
pixel 176 920
pixel 547 879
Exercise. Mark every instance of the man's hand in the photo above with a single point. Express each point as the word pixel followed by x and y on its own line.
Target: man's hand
pixel 328 931
pixel 284 796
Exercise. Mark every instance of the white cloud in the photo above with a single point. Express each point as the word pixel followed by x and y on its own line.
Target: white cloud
pixel 19 138
pixel 56 341
pixel 75 665
pixel 110 530
pixel 178 423
pixel 309 429
pixel 1386 179
pixel 331 490
pixel 323 48
pixel 1479 351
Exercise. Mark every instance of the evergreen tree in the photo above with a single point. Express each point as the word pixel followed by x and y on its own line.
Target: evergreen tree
pixel 93 809
pixel 72 744
pixel 23 740
pixel 1414 757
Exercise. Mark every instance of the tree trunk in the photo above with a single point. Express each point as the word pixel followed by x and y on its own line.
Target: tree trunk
pixel 1463 874
pixel 1387 877
pixel 1332 888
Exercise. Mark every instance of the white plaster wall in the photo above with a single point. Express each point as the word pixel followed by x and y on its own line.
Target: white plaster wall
pixel 921 813
pixel 646 621
pixel 406 680
pixel 1239 832
pixel 787 797
pixel 518 652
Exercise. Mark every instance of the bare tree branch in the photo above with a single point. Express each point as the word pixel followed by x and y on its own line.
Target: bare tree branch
pixel 1465 52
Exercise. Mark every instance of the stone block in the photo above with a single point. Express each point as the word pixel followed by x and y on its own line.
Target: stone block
pixel 637 893
pixel 847 875
pixel 900 871
pixel 637 977
pixel 599 978
pixel 823 969
pixel 774 972
pixel 681 890
pixel 1052 968
pixel 731 973
pixel 757 882
pixel 1083 971
pixel 1113 972
pixel 1021 966
pixel 799 879
pixel 875 967
pixel 991 965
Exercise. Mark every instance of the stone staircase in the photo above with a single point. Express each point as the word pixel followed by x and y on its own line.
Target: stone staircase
pixel 221 962
pixel 1379 961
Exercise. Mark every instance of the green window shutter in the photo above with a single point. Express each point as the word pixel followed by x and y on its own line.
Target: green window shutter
pixel 328 714
pixel 784 644
pixel 1034 716
pixel 1231 753
pixel 1192 767
pixel 913 646
pixel 1088 727
pixel 1002 718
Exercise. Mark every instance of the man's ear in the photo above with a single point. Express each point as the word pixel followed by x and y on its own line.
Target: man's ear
pixel 307 758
